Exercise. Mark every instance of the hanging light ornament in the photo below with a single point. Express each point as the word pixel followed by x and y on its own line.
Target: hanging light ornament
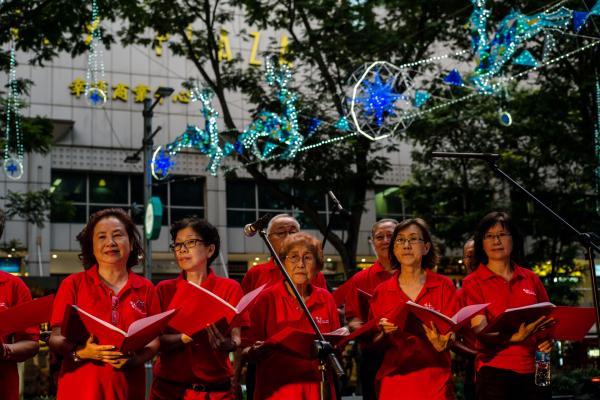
pixel 95 85
pixel 13 163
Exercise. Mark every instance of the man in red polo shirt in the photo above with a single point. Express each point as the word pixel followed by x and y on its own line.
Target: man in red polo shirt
pixel 280 226
pixel 19 346
pixel 367 280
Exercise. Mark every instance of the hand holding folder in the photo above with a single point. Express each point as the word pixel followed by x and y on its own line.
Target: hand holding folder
pixel 79 325
pixel 570 323
pixel 198 307
pixel 300 343
pixel 25 315
pixel 443 323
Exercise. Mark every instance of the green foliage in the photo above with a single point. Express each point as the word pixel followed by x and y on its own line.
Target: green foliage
pixel 35 207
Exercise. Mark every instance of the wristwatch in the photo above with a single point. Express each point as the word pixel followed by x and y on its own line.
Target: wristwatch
pixel 76 358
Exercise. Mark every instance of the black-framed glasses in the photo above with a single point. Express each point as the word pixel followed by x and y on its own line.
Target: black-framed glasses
pixel 188 244
pixel 283 234
pixel 306 259
pixel 496 236
pixel 400 241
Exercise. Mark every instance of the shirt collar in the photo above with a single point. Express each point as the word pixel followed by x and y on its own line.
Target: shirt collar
pixel 315 298
pixel 485 273
pixel 378 269
pixel 134 281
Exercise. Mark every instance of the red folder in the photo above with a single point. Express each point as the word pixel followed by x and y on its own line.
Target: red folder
pixel 443 323
pixel 78 325
pixel 511 319
pixel 371 328
pixel 300 343
pixel 364 303
pixel 26 315
pixel 572 323
pixel 199 307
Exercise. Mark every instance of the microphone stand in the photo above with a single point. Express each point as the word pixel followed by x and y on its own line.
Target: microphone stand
pixel 586 239
pixel 323 348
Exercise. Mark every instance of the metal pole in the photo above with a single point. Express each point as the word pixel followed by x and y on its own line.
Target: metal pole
pixel 147 145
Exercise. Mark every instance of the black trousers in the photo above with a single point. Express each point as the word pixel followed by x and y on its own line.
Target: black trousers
pixel 503 384
pixel 370 362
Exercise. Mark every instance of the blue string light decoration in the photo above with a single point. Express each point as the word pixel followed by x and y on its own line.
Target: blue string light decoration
pixel 205 140
pixel 269 130
pixel 379 101
pixel 526 59
pixel 579 19
pixel 13 163
pixel 95 85
pixel 495 51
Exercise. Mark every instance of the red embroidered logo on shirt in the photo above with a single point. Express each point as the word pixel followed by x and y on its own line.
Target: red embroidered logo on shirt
pixel 320 320
pixel 139 306
pixel 529 291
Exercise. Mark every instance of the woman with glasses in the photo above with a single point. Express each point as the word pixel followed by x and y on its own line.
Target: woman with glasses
pixel 198 367
pixel 108 289
pixel 279 375
pixel 416 358
pixel 505 366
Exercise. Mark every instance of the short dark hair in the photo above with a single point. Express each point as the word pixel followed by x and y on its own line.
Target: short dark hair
pixel 86 237
pixel 314 246
pixel 206 230
pixel 491 219
pixel 430 259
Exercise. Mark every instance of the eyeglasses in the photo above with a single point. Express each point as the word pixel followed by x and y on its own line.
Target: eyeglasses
pixel 114 315
pixel 381 238
pixel 411 241
pixel 493 237
pixel 307 259
pixel 282 235
pixel 188 244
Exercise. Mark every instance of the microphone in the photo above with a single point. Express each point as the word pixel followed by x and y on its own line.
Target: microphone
pixel 336 203
pixel 261 223
pixel 479 156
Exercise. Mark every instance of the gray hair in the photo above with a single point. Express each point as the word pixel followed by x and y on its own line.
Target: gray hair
pixel 280 216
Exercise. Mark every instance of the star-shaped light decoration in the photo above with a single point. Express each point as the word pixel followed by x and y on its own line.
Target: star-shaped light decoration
pixel 161 164
pixel 13 168
pixel 380 99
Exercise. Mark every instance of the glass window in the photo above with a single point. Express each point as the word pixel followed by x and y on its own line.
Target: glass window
pixel 76 214
pixel 187 192
pixel 137 189
pixel 237 219
pixel 388 203
pixel 69 185
pixel 109 188
pixel 267 201
pixel 180 213
pixel 160 189
pixel 240 194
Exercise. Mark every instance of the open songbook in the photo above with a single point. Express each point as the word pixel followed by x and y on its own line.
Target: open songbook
pixel 25 315
pixel 79 324
pixel 443 323
pixel 300 343
pixel 199 307
pixel 571 323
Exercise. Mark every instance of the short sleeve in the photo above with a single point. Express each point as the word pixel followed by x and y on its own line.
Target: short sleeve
pixel 65 296
pixel 23 295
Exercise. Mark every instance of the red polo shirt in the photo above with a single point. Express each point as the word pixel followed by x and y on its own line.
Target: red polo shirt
pixel 281 376
pixel 411 365
pixel 524 288
pixel 196 362
pixel 90 380
pixel 366 280
pixel 270 274
pixel 13 291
